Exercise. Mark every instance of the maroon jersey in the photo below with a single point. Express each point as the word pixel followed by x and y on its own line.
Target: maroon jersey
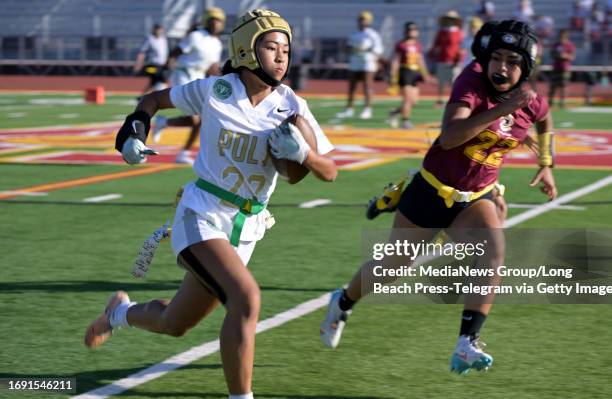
pixel 475 164
pixel 559 63
pixel 410 53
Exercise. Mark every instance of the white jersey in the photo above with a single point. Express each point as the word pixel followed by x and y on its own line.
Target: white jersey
pixel 200 51
pixel 234 145
pixel 155 50
pixel 366 47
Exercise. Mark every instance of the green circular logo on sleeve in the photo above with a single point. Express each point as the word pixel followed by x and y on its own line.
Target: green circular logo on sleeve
pixel 222 89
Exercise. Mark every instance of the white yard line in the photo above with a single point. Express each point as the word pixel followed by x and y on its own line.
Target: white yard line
pixel 314 203
pixel 103 198
pixel 198 352
pixel 558 207
pixel 300 310
pixel 549 206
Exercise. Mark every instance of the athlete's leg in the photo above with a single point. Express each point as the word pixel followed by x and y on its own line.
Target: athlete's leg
pixel 403 229
pixel 191 303
pixel 483 215
pixel 193 134
pixel 410 94
pixel 368 88
pixel 217 265
pixel 353 80
pixel 363 281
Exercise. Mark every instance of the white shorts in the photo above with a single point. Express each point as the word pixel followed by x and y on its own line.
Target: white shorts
pixel 190 227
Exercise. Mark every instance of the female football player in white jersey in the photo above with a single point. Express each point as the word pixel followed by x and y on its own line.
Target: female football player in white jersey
pixel 222 214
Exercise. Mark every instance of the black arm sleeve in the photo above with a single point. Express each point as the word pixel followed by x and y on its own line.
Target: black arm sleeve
pixel 127 129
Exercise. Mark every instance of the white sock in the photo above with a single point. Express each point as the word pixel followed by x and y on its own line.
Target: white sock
pixel 243 396
pixel 118 317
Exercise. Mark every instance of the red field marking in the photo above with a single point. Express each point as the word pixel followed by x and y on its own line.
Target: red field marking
pixel 356 148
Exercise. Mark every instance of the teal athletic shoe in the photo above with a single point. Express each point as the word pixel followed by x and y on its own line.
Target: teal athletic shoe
pixel 469 355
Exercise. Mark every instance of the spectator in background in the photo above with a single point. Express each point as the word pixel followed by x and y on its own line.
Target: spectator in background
pixel 544 26
pixel 152 58
pixel 365 48
pixel 563 53
pixel 486 10
pixel 524 11
pixel 581 10
pixel 473 27
pixel 446 51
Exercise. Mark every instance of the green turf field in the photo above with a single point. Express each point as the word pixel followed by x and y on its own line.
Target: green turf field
pixel 62 257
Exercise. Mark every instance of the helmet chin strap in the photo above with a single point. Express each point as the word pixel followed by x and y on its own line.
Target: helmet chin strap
pixel 267 79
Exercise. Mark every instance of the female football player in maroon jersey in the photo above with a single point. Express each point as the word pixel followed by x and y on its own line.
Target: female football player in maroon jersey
pixel 489 112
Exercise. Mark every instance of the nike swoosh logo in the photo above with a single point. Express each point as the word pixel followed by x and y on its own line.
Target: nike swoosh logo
pixel 463 356
pixel 282 110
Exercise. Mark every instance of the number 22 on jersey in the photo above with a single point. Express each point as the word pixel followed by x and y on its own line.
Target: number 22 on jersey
pixel 479 151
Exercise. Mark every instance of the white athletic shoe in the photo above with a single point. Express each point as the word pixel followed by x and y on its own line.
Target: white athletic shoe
pixel 100 329
pixel 468 355
pixel 366 113
pixel 406 124
pixel 347 113
pixel 184 157
pixel 331 328
pixel 160 124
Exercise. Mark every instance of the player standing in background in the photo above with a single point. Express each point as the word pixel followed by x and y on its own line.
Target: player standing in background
pixel 488 114
pixel 197 55
pixel 563 53
pixel 365 47
pixel 222 215
pixel 446 51
pixel 407 70
pixel 152 58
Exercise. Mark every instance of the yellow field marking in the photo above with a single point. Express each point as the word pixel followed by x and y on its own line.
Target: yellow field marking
pixel 90 180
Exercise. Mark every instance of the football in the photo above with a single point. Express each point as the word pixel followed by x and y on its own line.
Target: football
pixel 292 171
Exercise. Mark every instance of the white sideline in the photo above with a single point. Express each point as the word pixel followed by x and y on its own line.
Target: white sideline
pixel 300 310
pixel 103 198
pixel 314 203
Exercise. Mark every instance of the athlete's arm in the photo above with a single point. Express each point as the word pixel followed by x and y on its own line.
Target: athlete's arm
pixel 132 135
pixel 323 167
pixel 152 102
pixel 174 54
pixel 545 174
pixel 214 70
pixel 460 126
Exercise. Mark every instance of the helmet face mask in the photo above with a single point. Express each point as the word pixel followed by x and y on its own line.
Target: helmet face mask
pixel 244 38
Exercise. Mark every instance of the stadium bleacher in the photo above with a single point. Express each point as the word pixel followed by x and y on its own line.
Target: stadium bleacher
pixel 112 30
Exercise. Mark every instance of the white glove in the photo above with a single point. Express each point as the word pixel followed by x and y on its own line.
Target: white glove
pixel 287 142
pixel 135 151
pixel 145 256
